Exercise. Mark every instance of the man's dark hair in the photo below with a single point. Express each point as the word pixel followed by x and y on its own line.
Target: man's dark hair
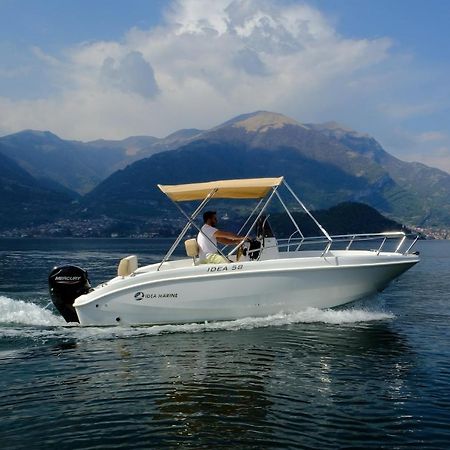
pixel 208 215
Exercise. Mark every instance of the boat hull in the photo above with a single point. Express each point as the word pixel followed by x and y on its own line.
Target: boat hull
pixel 233 291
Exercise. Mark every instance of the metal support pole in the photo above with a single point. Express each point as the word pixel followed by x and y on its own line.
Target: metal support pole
pixel 322 229
pixel 292 220
pixel 350 243
pixel 381 246
pixel 400 245
pixel 248 219
pixel 250 216
pixel 412 245
pixel 274 189
pixel 187 226
pixel 191 222
pixel 289 214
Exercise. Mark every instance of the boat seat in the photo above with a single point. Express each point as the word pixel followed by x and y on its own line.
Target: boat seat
pixel 127 266
pixel 192 249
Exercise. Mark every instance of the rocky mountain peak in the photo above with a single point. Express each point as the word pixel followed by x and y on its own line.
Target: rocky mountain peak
pixel 261 121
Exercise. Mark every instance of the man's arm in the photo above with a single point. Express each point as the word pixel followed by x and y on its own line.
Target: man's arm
pixel 225 237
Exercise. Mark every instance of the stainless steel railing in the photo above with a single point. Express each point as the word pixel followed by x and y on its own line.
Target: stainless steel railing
pixel 298 242
pixel 293 244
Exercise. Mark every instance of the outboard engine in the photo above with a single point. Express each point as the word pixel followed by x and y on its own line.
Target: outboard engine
pixel 65 284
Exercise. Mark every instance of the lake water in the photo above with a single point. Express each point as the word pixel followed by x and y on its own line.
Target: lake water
pixel 375 374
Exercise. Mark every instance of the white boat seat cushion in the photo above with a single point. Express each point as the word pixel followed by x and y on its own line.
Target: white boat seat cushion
pixel 127 266
pixel 191 248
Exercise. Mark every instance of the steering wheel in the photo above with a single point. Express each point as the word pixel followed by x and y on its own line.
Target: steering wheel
pixel 241 250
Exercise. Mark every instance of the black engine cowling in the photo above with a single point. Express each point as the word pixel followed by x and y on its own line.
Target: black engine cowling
pixel 65 284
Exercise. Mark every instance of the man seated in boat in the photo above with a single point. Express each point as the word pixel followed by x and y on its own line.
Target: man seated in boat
pixel 209 236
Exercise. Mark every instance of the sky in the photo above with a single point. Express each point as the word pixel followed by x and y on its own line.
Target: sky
pixel 111 69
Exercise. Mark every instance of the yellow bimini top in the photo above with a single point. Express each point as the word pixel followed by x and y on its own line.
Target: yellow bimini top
pixel 244 188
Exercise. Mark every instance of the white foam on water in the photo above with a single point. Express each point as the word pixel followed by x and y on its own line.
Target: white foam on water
pixel 33 318
pixel 26 313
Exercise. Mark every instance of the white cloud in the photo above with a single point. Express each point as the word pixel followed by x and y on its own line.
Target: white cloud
pixel 211 60
pixel 198 16
pixel 432 136
pixel 407 110
pixel 249 61
pixel 131 74
pixel 44 57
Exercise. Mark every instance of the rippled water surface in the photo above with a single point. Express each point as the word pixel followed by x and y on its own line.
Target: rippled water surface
pixel 375 374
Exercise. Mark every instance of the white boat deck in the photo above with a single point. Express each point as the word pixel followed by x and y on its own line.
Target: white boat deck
pixel 303 259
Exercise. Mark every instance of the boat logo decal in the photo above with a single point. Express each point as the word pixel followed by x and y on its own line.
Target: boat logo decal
pixel 67 279
pixel 139 296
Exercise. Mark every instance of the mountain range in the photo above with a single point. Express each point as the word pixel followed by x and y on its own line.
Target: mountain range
pixel 325 163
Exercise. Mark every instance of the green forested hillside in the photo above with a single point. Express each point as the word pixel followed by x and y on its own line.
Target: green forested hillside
pixel 326 164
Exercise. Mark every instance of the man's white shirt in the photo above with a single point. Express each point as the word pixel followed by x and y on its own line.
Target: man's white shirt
pixel 205 245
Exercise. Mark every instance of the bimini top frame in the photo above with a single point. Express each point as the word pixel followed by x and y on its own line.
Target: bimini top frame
pixel 251 188
pixel 244 188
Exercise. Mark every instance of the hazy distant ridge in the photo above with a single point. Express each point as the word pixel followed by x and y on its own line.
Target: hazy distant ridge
pixel 325 163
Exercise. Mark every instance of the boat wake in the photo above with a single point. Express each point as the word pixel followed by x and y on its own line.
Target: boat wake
pixel 25 319
pixel 26 313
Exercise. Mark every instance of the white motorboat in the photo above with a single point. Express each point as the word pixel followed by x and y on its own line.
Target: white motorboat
pixel 275 275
